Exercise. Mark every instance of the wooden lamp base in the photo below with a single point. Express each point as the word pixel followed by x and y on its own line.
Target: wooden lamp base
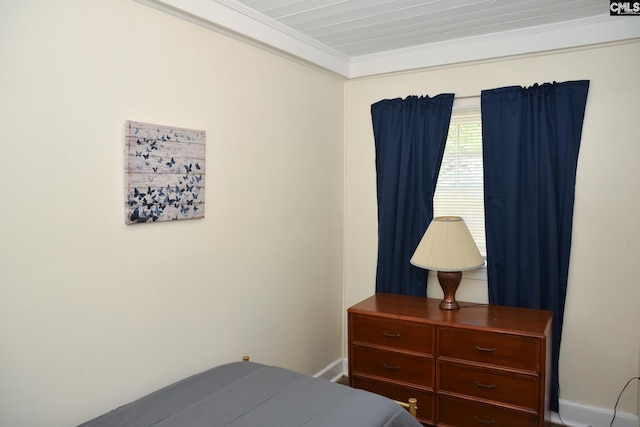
pixel 449 281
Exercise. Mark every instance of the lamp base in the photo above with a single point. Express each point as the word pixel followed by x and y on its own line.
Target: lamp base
pixel 449 281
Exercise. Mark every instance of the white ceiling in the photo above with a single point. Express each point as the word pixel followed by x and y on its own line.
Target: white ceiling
pixel 356 38
pixel 364 27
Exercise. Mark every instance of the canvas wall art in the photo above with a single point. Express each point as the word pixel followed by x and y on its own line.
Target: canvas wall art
pixel 164 173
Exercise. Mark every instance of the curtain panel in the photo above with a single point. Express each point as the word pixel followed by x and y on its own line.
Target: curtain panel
pixel 410 135
pixel 531 139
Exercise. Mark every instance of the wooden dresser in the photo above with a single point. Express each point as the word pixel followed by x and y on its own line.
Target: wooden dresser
pixel 481 365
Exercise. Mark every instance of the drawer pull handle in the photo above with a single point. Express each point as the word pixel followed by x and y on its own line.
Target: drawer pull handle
pixel 485 422
pixel 390 335
pixel 485 349
pixel 481 385
pixel 390 367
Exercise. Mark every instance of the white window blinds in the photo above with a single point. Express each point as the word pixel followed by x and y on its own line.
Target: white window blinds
pixel 459 191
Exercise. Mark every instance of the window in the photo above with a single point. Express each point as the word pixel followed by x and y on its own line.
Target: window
pixel 460 190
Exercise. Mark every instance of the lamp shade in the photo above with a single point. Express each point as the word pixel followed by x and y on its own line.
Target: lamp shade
pixel 447 245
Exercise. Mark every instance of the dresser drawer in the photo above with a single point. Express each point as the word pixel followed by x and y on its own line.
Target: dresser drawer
pixel 508 388
pixel 402 394
pixel 393 366
pixel 394 334
pixel 454 412
pixel 503 350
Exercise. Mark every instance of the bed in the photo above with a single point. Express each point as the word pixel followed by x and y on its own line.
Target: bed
pixel 248 394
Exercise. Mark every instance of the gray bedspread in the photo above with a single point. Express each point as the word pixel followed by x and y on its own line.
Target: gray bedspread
pixel 247 394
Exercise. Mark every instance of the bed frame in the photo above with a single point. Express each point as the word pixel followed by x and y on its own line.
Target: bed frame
pixel 411 405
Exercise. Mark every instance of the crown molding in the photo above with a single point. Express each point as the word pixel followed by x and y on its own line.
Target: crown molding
pixel 532 40
pixel 236 20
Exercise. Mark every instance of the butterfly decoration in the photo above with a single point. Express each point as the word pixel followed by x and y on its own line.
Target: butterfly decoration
pixel 164 167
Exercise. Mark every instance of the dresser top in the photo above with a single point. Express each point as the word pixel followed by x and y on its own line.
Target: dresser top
pixel 483 316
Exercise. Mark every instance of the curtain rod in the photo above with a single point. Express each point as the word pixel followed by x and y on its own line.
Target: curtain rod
pixel 467 97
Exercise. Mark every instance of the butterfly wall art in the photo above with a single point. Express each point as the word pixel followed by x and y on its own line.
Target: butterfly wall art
pixel 164 173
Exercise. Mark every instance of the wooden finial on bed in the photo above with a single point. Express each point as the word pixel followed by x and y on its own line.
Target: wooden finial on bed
pixel 245 358
pixel 413 406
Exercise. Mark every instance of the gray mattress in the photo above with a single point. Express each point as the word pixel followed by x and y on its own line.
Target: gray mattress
pixel 247 394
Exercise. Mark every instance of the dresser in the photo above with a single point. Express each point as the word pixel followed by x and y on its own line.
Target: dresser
pixel 480 365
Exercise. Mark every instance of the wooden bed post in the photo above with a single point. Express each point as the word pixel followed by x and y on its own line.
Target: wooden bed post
pixel 411 405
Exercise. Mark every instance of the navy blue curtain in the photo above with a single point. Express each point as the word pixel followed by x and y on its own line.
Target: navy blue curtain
pixel 531 139
pixel 410 135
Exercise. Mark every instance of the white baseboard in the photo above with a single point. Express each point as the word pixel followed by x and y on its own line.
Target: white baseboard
pixel 571 414
pixel 577 415
pixel 333 372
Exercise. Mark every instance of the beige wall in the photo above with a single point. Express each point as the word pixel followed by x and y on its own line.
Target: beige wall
pixel 600 342
pixel 94 313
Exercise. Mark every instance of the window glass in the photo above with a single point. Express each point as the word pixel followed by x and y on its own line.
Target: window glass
pixel 460 190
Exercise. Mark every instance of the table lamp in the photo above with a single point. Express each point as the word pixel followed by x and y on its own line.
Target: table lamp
pixel 448 248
